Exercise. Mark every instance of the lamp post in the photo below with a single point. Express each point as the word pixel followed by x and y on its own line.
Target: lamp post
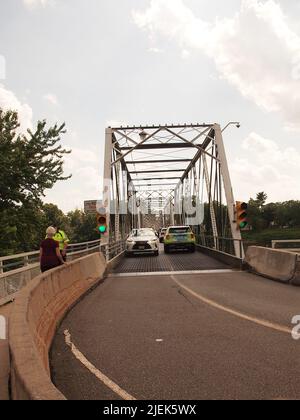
pixel 237 124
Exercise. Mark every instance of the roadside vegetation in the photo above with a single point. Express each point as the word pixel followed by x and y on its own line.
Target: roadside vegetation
pixel 272 221
pixel 30 164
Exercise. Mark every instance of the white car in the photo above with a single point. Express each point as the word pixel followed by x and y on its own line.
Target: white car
pixel 142 241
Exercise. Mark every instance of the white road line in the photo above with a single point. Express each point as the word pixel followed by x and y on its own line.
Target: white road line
pixel 2 328
pixel 170 273
pixel 261 322
pixel 99 375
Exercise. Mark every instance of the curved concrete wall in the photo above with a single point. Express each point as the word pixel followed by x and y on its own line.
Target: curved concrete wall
pixel 4 360
pixel 38 310
pixel 278 265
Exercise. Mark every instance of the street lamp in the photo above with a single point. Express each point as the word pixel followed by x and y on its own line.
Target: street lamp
pixel 237 124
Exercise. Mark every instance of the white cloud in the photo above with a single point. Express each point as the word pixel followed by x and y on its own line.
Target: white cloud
pixel 256 50
pixel 85 184
pixel 266 167
pixel 116 123
pixel 35 3
pixel 9 101
pixel 79 157
pixel 155 50
pixel 51 98
pixel 2 68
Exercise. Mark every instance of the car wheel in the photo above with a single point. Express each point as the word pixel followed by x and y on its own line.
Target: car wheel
pixel 193 249
pixel 167 250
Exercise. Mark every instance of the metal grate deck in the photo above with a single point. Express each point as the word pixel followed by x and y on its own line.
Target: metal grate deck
pixel 177 261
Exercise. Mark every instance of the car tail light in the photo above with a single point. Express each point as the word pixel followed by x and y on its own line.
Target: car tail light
pixel 168 237
pixel 192 236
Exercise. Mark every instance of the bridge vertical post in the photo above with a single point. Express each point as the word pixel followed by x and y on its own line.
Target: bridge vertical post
pixel 211 204
pixel 236 233
pixel 107 180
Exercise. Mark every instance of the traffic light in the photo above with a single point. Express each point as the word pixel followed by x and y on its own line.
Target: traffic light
pixel 242 214
pixel 102 221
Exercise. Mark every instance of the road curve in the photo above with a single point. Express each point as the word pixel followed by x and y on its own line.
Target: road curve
pixel 170 337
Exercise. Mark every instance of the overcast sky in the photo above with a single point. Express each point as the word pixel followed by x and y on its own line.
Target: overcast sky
pixel 91 63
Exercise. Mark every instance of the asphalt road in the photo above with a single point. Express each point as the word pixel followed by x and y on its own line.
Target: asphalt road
pixel 182 337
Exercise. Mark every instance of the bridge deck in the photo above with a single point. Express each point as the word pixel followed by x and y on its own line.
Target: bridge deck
pixel 177 261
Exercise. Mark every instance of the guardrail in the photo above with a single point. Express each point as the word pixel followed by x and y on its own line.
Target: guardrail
pixel 16 271
pixel 221 244
pixel 287 241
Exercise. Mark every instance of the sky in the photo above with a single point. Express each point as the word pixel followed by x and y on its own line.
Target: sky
pixel 95 63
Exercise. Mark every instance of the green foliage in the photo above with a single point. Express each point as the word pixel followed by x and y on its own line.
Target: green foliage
pixel 273 215
pixel 83 226
pixel 30 164
pixel 261 199
pixel 265 237
pixel 55 217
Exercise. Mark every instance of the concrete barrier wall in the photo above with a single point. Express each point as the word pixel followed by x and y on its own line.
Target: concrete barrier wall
pixel 4 360
pixel 114 262
pixel 231 260
pixel 279 265
pixel 38 310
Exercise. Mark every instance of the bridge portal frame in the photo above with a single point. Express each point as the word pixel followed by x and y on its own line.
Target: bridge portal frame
pixel 210 161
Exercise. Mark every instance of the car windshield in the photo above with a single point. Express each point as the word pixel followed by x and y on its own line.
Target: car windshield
pixel 180 230
pixel 141 233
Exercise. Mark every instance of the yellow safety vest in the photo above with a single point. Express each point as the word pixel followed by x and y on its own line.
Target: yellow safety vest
pixel 61 238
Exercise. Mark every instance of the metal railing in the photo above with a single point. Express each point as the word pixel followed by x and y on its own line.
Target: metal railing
pixel 16 271
pixel 285 243
pixel 18 261
pixel 226 245
pixel 112 250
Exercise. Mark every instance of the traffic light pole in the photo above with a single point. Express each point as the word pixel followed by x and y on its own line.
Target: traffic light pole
pixel 235 230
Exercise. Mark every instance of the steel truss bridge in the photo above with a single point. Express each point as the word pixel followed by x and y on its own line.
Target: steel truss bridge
pixel 170 175
pixel 153 177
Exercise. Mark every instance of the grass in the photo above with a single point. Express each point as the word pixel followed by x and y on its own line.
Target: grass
pixel 265 237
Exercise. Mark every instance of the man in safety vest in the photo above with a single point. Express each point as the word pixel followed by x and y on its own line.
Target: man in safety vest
pixel 63 241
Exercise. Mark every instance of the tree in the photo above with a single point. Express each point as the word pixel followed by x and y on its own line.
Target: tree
pixel 54 216
pixel 30 163
pixel 83 226
pixel 261 199
pixel 269 214
pixel 258 215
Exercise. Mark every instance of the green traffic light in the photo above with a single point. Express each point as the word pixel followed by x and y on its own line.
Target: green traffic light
pixel 243 225
pixel 102 229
